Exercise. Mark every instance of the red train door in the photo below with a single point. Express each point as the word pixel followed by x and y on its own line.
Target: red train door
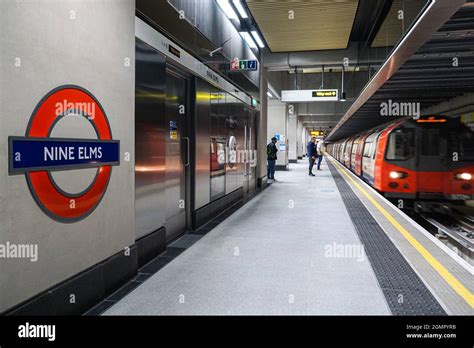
pixel 431 161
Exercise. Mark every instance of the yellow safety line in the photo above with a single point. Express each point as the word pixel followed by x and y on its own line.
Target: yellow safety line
pixel 443 272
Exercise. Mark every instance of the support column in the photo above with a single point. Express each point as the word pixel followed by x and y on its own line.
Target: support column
pixel 278 126
pixel 292 137
pixel 305 138
pixel 300 140
pixel 262 137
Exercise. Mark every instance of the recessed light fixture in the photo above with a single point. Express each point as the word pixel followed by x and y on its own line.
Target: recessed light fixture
pixel 227 8
pixel 248 38
pixel 257 39
pixel 240 8
pixel 269 95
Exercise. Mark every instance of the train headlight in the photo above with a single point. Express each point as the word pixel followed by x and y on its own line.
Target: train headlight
pixel 463 176
pixel 397 175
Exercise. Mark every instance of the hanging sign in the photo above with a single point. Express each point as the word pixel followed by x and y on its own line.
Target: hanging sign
pixel 309 95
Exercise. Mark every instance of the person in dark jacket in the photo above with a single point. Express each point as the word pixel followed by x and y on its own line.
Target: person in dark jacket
pixel 271 158
pixel 311 153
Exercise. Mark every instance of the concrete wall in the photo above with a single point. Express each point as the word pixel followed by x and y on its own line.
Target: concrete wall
pixel 46 44
pixel 278 124
pixel 306 136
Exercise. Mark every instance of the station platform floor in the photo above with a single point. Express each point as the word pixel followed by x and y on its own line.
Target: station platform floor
pixel 303 246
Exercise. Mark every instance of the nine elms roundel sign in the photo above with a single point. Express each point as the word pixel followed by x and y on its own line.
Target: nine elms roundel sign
pixel 37 154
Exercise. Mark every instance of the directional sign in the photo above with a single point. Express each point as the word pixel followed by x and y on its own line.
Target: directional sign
pixel 309 95
pixel 317 133
pixel 324 93
pixel 243 65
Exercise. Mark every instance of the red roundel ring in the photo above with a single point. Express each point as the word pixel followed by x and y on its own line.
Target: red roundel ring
pixel 57 204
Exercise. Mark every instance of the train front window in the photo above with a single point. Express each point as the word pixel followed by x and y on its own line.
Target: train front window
pixel 462 142
pixel 401 144
pixel 430 142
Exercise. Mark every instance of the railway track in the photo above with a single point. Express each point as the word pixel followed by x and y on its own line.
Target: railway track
pixel 455 230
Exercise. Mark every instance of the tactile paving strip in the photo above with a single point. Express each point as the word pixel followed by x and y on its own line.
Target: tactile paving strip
pixel 404 291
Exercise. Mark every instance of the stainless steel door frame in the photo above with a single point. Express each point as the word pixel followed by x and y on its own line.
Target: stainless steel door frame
pixel 250 152
pixel 246 164
pixel 177 153
pixel 201 144
pixel 252 155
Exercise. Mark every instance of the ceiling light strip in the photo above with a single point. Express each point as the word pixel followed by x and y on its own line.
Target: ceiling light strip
pixel 257 39
pixel 240 8
pixel 227 8
pixel 246 36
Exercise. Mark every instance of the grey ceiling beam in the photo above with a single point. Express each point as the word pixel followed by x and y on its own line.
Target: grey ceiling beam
pixel 288 60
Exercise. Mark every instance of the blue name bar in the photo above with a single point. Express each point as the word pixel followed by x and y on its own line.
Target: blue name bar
pixel 34 154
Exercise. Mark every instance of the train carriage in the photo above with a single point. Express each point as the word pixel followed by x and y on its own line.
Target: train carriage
pixel 428 161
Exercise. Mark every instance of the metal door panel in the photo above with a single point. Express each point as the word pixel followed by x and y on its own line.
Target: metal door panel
pixel 232 143
pixel 252 156
pixel 241 143
pixel 202 145
pixel 217 144
pixel 149 139
pixel 246 164
pixel 175 178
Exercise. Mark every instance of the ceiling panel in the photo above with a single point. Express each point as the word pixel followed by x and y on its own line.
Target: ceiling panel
pixel 397 23
pixel 317 24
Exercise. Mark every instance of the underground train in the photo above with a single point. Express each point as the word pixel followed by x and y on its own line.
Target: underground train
pixel 427 162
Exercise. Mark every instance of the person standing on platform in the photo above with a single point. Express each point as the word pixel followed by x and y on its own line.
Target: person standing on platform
pixel 271 158
pixel 311 153
pixel 319 153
